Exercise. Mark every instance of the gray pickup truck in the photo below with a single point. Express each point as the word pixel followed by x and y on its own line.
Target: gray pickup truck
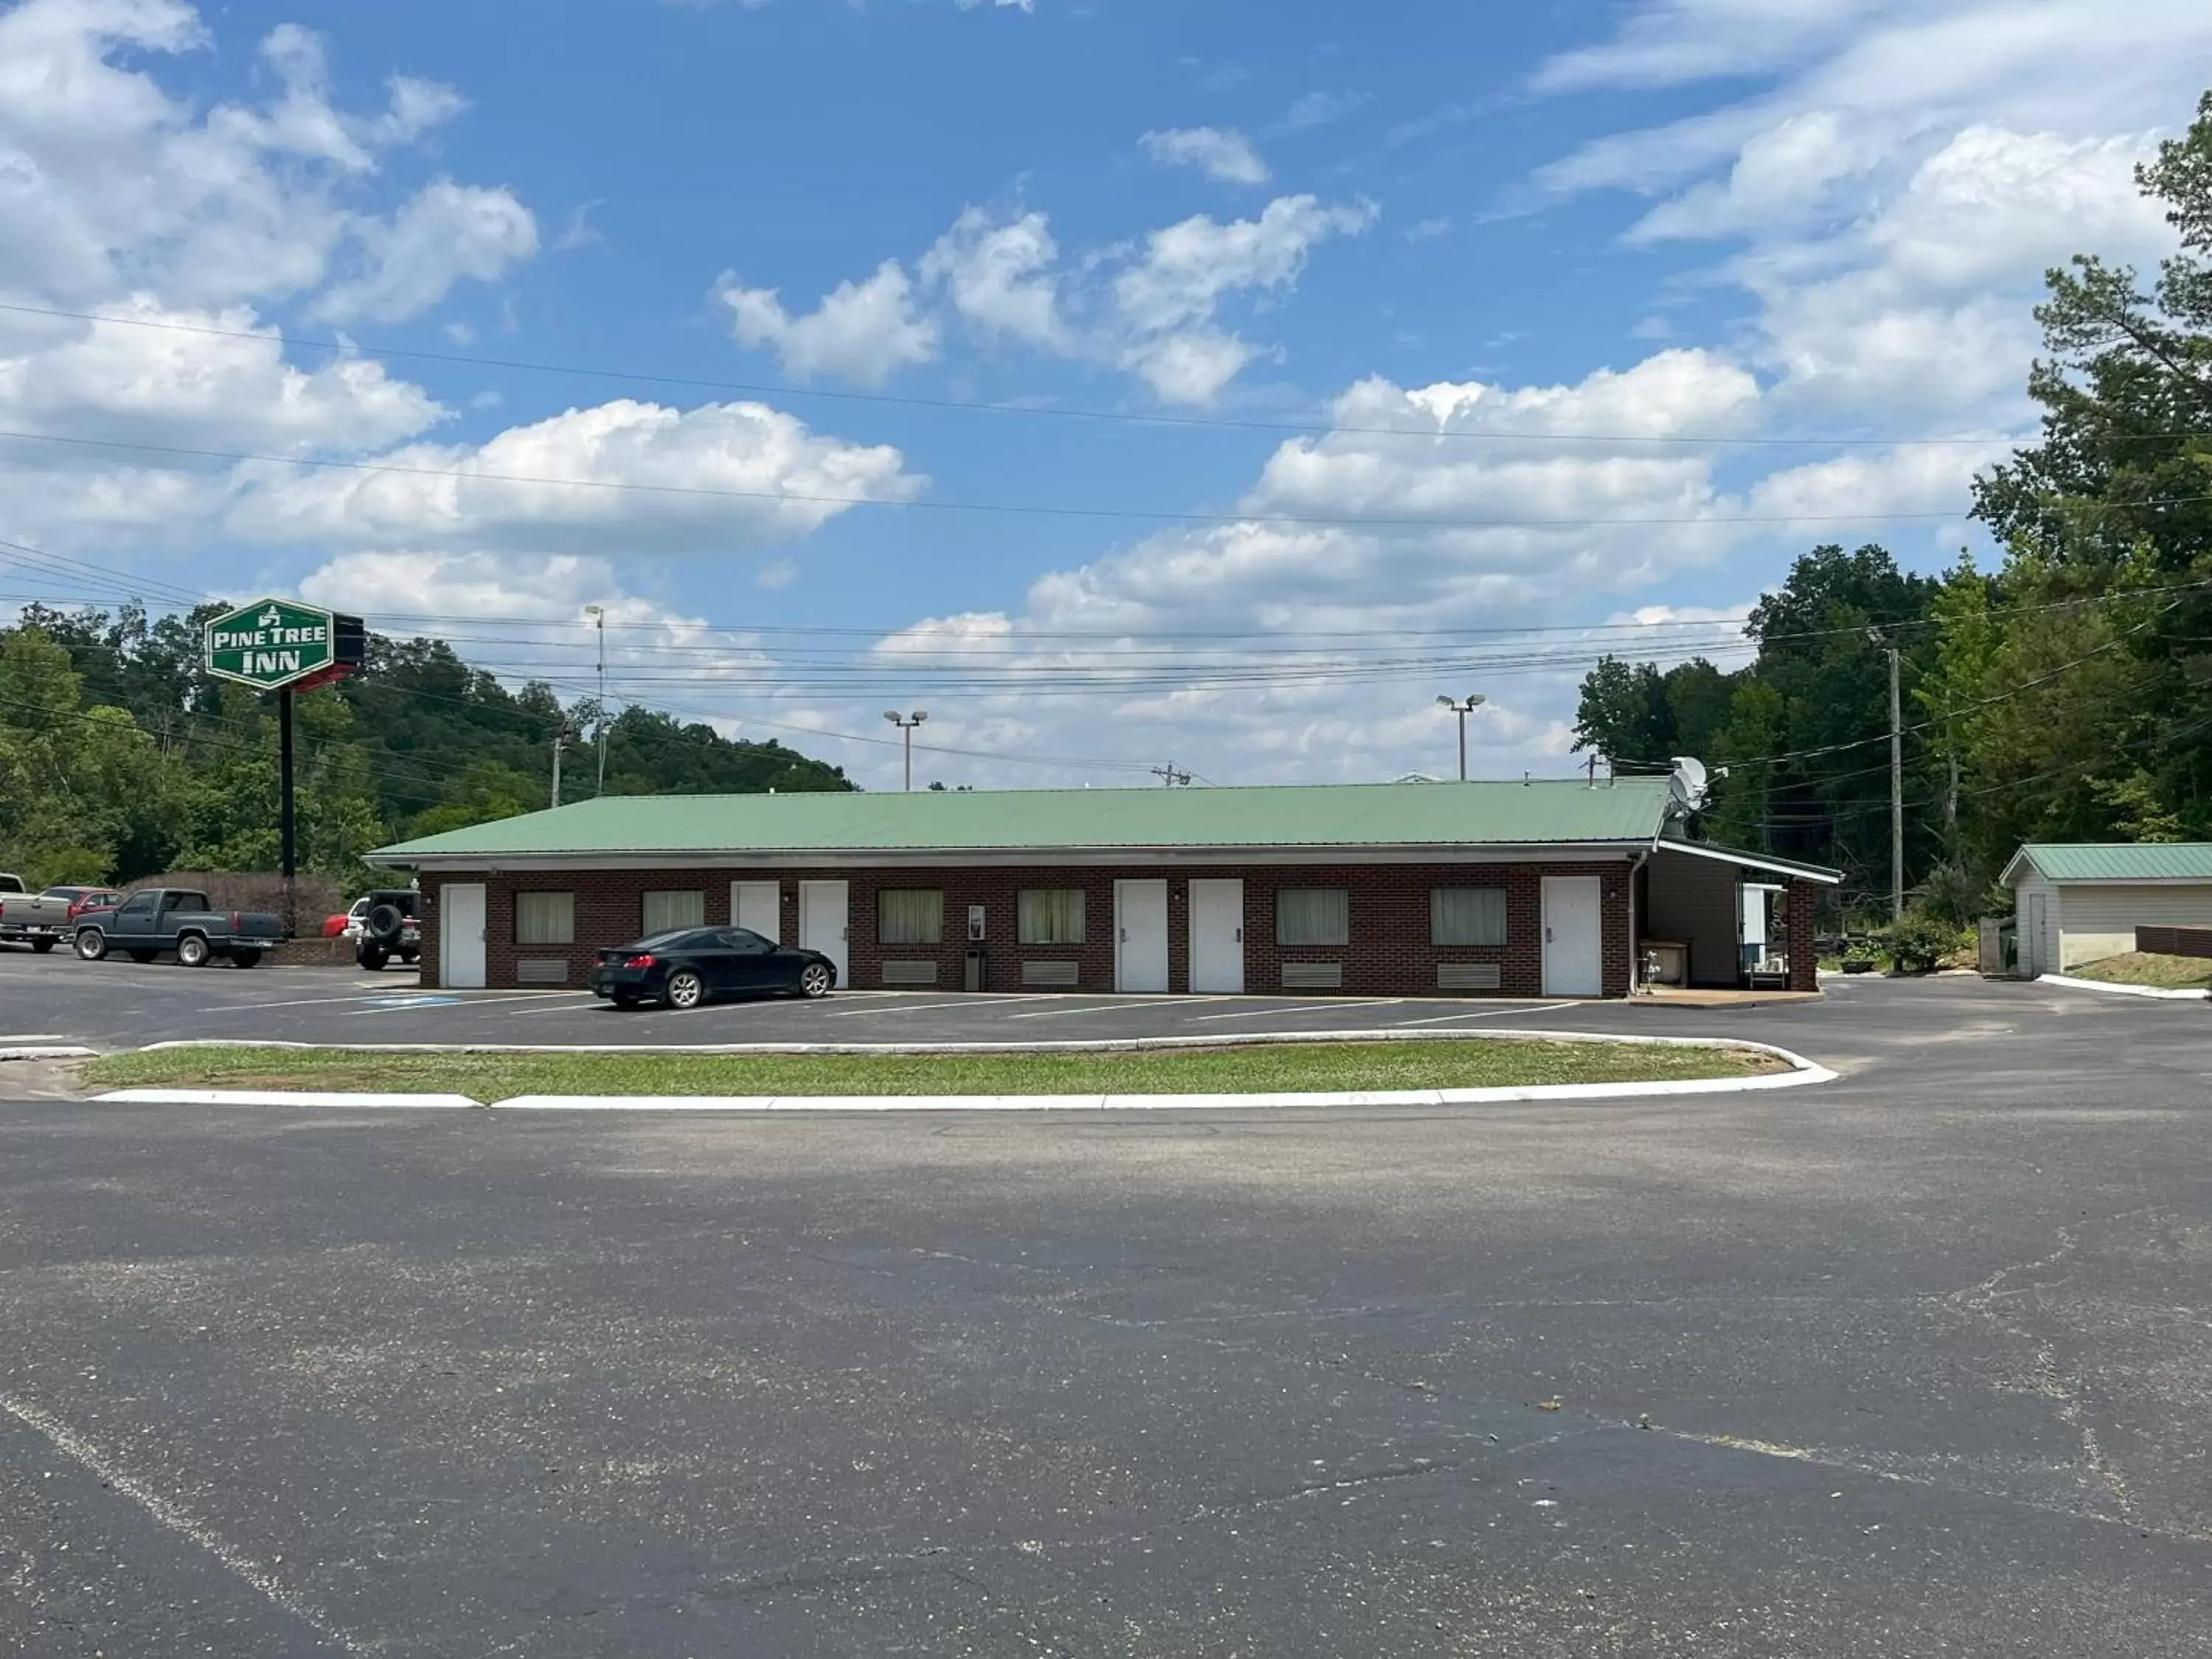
pixel 156 920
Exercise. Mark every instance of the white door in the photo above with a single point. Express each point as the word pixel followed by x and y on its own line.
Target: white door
pixel 758 905
pixel 1216 936
pixel 1140 936
pixel 1574 951
pixel 824 924
pixel 2034 954
pixel 461 936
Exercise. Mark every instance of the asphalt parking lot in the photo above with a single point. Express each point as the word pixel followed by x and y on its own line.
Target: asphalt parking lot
pixel 1915 1362
pixel 119 1006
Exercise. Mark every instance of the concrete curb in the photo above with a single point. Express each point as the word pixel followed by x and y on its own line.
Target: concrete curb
pixel 48 1051
pixel 787 1103
pixel 2161 993
pixel 276 1097
pixel 1802 1071
pixel 1066 1046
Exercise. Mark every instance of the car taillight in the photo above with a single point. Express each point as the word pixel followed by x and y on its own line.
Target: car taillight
pixel 639 961
pixel 234 921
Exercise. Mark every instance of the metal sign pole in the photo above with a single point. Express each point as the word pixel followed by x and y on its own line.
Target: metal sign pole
pixel 284 820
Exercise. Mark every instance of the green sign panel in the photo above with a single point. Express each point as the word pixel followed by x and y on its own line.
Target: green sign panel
pixel 271 644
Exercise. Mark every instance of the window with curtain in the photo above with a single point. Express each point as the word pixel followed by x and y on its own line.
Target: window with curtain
pixel 1313 915
pixel 910 915
pixel 1051 915
pixel 667 912
pixel 1466 915
pixel 544 918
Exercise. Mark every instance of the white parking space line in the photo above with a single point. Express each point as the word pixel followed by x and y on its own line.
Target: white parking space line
pixel 424 1002
pixel 897 1008
pixel 584 999
pixel 1121 1006
pixel 954 1000
pixel 1299 1008
pixel 1490 1013
pixel 479 998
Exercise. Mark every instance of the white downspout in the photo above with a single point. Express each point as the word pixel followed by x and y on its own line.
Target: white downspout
pixel 1635 960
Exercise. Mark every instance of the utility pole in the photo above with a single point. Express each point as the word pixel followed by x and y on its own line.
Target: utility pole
pixel 287 833
pixel 1463 708
pixel 906 723
pixel 599 614
pixel 1896 794
pixel 559 742
pixel 1168 774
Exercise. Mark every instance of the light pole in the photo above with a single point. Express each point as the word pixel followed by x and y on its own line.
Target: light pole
pixel 598 615
pixel 906 723
pixel 1463 708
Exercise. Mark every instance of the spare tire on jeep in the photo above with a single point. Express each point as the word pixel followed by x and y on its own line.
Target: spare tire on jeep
pixel 385 921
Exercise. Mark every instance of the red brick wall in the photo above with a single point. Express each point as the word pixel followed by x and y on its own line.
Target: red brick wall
pixel 1389 954
pixel 1804 958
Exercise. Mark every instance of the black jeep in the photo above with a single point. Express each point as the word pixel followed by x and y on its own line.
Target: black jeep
pixel 391 927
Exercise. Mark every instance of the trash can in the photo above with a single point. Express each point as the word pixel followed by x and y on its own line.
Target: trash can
pixel 979 969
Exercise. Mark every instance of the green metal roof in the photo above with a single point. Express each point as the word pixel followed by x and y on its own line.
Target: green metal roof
pixel 1545 812
pixel 2170 860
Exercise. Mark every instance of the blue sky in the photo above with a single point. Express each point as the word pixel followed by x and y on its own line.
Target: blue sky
pixel 1558 291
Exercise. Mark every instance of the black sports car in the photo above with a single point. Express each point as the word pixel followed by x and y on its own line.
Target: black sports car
pixel 686 968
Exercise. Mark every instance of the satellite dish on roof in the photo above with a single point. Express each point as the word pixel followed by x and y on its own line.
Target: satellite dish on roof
pixel 1686 789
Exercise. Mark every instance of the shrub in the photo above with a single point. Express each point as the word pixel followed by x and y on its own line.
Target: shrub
pixel 1918 942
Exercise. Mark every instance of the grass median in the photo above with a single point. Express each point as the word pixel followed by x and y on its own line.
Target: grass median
pixel 1270 1068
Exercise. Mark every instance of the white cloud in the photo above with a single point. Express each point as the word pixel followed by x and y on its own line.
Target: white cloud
pixel 1152 309
pixel 1286 704
pixel 109 185
pixel 1222 153
pixel 1001 276
pixel 179 382
pixel 1166 302
pixel 1903 181
pixel 1318 109
pixel 1187 267
pixel 445 232
pixel 861 331
pixel 649 476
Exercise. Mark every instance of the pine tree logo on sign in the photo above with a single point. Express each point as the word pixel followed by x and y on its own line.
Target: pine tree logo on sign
pixel 270 643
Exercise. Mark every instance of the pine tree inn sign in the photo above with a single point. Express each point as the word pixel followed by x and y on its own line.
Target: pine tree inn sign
pixel 276 643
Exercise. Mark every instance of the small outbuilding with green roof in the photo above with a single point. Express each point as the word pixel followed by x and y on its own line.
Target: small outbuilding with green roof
pixel 2081 901
pixel 1551 887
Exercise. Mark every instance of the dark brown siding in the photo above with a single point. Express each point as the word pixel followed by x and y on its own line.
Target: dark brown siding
pixel 1389 954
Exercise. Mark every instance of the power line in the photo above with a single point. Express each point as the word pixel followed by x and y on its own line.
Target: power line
pixel 1345 521
pixel 1052 411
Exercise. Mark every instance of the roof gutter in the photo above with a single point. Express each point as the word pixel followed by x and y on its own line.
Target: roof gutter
pixel 815 857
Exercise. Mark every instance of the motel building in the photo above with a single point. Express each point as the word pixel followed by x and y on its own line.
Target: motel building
pixel 1554 889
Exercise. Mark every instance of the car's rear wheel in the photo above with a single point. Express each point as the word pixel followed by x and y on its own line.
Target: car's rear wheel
pixel 92 943
pixel 372 960
pixel 43 946
pixel 815 979
pixel 245 958
pixel 192 951
pixel 685 989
